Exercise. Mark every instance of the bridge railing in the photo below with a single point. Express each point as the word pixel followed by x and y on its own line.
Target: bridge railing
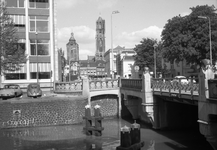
pixel 135 84
pixel 171 86
pixel 164 85
pixel 105 84
pixel 78 87
pixel 74 87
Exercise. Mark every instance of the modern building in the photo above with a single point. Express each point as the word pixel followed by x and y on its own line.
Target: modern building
pixel 125 63
pixel 114 64
pixel 36 28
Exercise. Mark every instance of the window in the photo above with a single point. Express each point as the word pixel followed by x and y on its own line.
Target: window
pixel 39 3
pixel 39 24
pixel 39 47
pixel 19 22
pixel 20 45
pixel 15 3
pixel 41 75
pixel 178 64
pixel 172 66
pixel 43 70
pixel 15 76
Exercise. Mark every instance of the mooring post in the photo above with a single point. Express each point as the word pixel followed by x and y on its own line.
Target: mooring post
pixel 98 121
pixel 88 120
pixel 135 133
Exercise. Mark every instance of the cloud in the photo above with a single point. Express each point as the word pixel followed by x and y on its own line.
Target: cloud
pixel 133 38
pixel 83 53
pixel 184 14
pixel 84 36
pixel 101 4
pixel 64 4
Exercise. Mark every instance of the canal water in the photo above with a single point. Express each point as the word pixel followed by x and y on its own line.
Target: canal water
pixel 72 137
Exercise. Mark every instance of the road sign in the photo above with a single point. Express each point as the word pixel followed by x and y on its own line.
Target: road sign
pixel 136 68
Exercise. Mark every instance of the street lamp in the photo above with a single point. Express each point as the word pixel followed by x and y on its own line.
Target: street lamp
pixel 70 69
pixel 114 12
pixel 210 40
pixel 36 47
pixel 155 45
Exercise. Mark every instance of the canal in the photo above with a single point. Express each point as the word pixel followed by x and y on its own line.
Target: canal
pixel 72 137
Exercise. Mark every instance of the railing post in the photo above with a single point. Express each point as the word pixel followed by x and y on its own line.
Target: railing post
pixel 86 89
pixel 206 106
pixel 148 103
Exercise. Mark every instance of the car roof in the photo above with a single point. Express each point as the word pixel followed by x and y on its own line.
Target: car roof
pixel 179 77
pixel 11 85
pixel 33 84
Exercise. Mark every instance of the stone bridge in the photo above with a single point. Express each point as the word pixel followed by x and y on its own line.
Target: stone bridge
pixel 163 103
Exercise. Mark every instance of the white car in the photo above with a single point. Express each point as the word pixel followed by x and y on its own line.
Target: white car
pixel 181 79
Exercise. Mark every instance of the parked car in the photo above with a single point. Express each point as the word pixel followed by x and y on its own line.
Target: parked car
pixel 181 79
pixel 10 91
pixel 34 90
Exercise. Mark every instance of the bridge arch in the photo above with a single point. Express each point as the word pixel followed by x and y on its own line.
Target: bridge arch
pixel 109 104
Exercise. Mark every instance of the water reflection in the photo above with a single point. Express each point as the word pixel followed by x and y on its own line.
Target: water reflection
pixel 151 145
pixel 72 137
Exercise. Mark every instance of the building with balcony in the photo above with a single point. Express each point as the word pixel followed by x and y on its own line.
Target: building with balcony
pixel 36 29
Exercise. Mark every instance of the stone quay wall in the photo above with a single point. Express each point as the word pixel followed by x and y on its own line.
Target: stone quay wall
pixel 46 111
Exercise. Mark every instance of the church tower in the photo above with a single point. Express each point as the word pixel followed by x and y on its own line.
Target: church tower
pixel 73 58
pixel 72 49
pixel 100 39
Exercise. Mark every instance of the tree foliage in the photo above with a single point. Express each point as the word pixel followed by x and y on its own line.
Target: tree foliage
pixel 12 54
pixel 188 37
pixel 145 54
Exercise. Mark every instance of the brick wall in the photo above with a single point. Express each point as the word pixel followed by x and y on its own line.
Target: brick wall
pixel 47 111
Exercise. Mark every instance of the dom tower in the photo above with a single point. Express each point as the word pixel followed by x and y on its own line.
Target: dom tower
pixel 100 39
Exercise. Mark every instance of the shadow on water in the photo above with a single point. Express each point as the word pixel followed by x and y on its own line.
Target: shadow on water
pixel 171 139
pixel 72 137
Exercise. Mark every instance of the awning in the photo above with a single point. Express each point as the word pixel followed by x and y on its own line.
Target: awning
pixel 42 67
pixel 22 70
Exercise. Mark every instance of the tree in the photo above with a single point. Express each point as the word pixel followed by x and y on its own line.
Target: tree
pixel 145 54
pixel 187 38
pixel 12 54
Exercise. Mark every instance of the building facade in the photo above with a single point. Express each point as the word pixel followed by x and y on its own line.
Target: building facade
pixel 113 64
pixel 36 28
pixel 125 63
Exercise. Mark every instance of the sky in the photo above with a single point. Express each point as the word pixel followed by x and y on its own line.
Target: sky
pixel 137 19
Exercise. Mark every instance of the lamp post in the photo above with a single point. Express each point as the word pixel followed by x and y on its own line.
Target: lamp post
pixel 210 40
pixel 69 69
pixel 114 12
pixel 36 47
pixel 155 70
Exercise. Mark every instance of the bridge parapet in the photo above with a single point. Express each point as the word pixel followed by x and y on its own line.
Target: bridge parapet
pixel 135 84
pixel 98 85
pixel 69 87
pixel 167 85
